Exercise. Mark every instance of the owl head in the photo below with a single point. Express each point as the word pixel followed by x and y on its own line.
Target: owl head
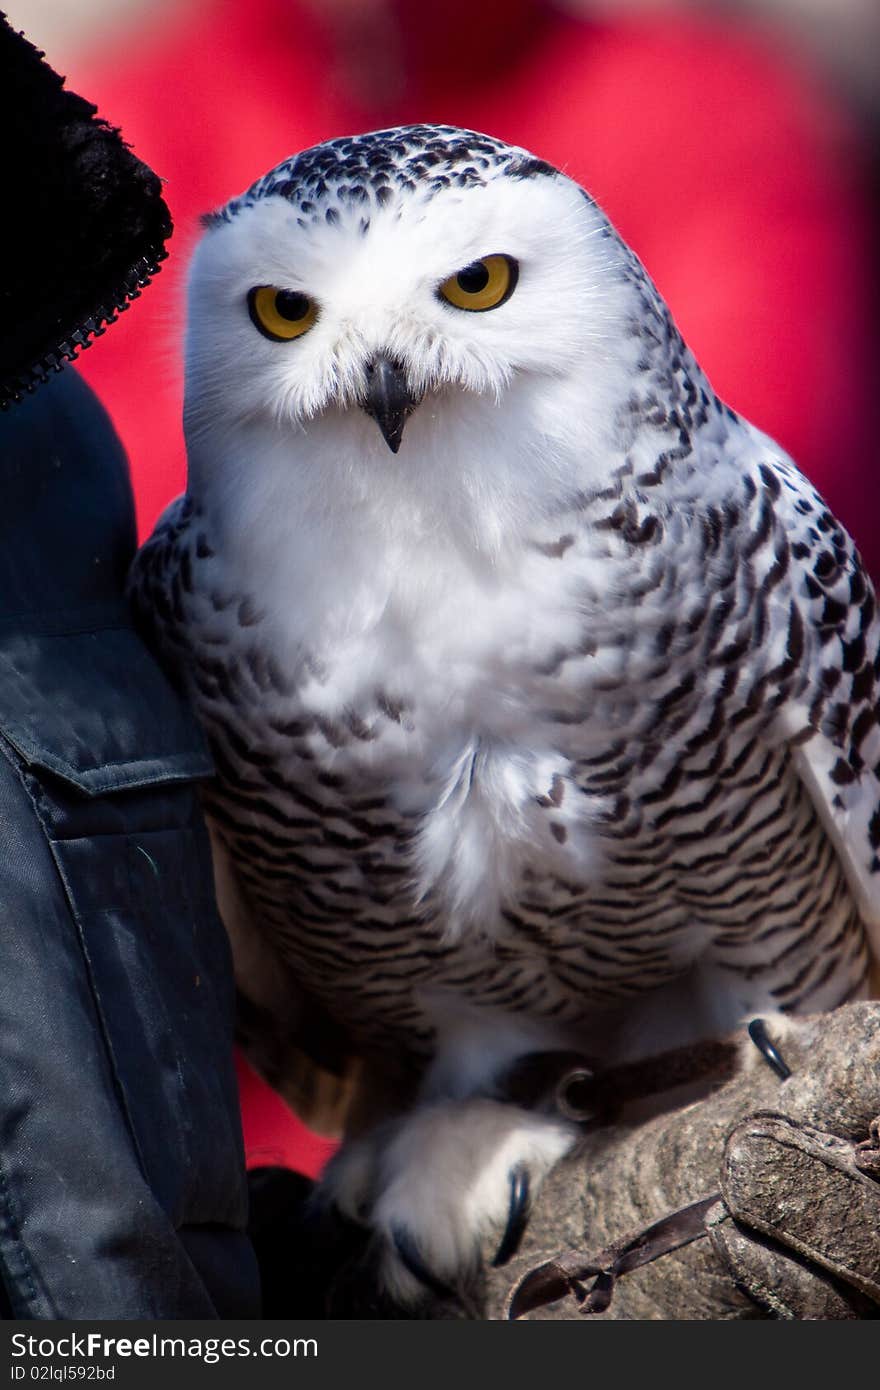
pixel 418 308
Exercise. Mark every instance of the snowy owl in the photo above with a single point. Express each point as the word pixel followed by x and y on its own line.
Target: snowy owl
pixel 542 688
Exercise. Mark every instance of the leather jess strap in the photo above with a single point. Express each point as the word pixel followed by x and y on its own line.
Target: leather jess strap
pixel 564 1275
pixel 576 1088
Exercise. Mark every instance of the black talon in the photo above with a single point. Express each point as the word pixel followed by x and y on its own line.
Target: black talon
pixel 768 1049
pixel 410 1256
pixel 517 1215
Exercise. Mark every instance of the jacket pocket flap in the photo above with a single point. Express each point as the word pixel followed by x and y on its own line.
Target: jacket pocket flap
pixel 95 709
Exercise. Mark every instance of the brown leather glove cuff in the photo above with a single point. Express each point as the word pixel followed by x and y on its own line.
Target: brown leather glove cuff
pixel 799 1228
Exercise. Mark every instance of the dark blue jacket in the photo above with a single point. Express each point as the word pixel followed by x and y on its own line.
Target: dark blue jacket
pixel 122 1189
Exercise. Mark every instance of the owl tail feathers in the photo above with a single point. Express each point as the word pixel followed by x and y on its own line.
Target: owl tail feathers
pixel 85 224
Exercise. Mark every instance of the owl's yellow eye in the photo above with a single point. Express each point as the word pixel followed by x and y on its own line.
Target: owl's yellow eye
pixel 483 284
pixel 281 314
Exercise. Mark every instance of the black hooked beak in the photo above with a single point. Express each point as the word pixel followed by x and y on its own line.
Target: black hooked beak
pixel 388 398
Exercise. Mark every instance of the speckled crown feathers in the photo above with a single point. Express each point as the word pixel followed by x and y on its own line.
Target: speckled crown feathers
pixel 367 170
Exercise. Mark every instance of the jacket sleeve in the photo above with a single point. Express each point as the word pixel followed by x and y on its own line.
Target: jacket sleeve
pixel 81 1232
pixel 122 1184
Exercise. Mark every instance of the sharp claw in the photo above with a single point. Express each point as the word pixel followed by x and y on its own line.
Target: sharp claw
pixel 768 1050
pixel 517 1215
pixel 410 1257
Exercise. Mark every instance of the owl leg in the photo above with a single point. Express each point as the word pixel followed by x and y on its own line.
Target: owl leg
pixel 519 1207
pixel 445 1187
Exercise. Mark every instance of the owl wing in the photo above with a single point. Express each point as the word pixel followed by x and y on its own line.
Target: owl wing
pixel 154 585
pixel 833 727
pixel 285 1035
